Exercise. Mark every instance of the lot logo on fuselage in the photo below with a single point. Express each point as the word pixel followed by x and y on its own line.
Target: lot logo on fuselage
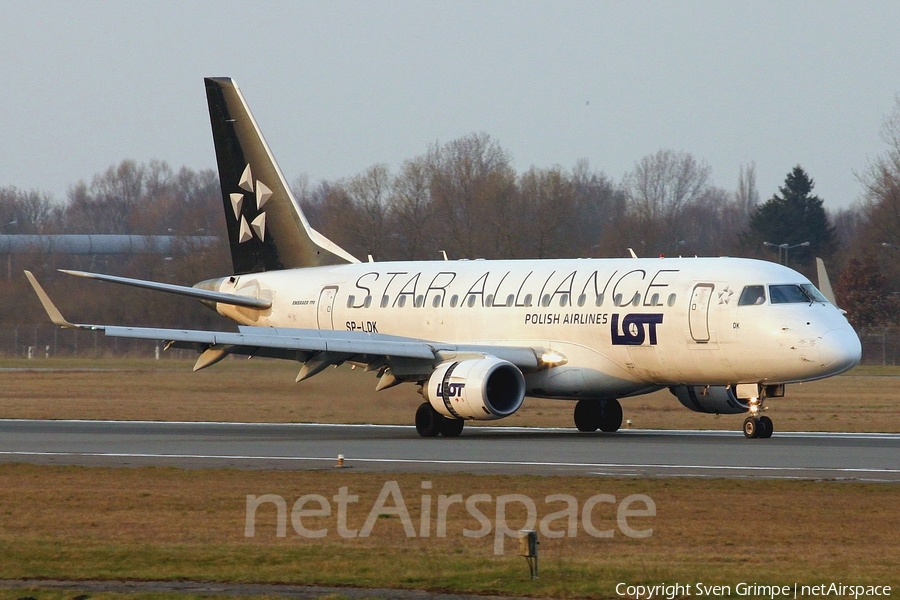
pixel 633 332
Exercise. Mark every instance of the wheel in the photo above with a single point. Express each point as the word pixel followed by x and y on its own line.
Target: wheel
pixel 587 415
pixel 428 420
pixel 611 416
pixel 751 427
pixel 766 427
pixel 451 427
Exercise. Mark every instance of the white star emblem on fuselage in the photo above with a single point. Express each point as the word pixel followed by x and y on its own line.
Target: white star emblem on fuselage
pixel 258 224
pixel 725 295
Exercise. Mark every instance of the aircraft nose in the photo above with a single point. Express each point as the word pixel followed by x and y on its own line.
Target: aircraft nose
pixel 839 350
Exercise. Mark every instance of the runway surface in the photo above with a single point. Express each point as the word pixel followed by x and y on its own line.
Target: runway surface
pixel 506 450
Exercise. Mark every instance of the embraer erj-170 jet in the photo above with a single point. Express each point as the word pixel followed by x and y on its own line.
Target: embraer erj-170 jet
pixel 478 336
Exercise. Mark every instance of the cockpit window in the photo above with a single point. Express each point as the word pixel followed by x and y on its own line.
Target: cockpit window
pixel 814 294
pixel 753 294
pixel 791 294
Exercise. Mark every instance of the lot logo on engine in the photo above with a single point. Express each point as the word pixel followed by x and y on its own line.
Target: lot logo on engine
pixel 450 390
pixel 633 331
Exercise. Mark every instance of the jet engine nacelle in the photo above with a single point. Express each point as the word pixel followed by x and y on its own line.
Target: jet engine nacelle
pixel 714 399
pixel 483 389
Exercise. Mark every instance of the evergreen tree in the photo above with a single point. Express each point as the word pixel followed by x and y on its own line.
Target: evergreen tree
pixel 794 217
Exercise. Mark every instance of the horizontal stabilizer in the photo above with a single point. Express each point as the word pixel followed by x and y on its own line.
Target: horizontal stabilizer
pixel 181 290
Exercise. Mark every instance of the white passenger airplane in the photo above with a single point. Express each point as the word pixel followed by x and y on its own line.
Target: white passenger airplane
pixel 477 336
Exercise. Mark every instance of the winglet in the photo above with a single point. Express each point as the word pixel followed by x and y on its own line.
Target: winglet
pixel 51 309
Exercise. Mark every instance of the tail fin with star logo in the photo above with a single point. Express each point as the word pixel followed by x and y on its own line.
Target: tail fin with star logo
pixel 267 230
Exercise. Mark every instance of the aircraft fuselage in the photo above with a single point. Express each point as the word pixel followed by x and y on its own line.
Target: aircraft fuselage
pixel 621 324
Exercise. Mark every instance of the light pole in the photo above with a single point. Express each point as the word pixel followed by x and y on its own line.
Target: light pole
pixel 779 246
pixel 787 248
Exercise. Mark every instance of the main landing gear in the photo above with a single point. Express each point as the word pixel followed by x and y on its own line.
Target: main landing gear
pixel 605 415
pixel 756 426
pixel 431 423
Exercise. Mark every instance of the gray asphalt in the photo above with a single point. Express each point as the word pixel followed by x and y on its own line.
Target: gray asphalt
pixel 501 450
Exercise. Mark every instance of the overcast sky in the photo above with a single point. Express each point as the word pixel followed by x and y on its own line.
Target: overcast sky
pixel 337 87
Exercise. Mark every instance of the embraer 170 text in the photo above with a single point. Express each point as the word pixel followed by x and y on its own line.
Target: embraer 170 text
pixel 478 336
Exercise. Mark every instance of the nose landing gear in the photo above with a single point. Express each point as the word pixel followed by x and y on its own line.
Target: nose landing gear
pixel 756 426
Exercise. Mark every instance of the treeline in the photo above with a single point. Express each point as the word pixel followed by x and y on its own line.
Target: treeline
pixel 128 199
pixel 465 198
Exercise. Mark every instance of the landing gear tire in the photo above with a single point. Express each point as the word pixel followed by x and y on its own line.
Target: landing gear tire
pixel 428 421
pixel 752 428
pixel 766 427
pixel 587 415
pixel 611 416
pixel 451 427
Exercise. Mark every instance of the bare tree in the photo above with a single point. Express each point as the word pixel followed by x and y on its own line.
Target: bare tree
pixel 471 178
pixel 369 194
pixel 747 195
pixel 411 209
pixel 548 205
pixel 600 207
pixel 662 184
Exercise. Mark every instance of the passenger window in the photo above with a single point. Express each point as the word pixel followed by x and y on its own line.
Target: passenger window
pixel 384 301
pixel 420 301
pixel 350 300
pixel 599 301
pixel 753 294
pixel 509 300
pixel 528 300
pixel 471 300
pixel 401 301
pixel 368 302
pixel 454 299
pixel 654 300
pixel 671 300
pixel 436 301
pixel 564 300
pixel 581 299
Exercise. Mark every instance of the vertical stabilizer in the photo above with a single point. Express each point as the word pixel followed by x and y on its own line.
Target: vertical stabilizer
pixel 824 282
pixel 266 228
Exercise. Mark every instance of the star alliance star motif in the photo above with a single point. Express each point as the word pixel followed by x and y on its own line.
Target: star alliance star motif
pixel 725 295
pixel 258 224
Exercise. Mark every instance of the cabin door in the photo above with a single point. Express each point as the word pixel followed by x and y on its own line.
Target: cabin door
pixel 699 312
pixel 326 307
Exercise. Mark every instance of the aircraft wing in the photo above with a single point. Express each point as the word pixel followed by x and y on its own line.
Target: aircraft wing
pixel 317 349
